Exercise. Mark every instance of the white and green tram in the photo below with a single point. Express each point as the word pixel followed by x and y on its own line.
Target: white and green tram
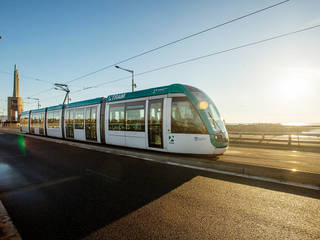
pixel 175 118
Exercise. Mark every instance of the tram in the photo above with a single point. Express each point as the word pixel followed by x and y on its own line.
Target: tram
pixel 176 118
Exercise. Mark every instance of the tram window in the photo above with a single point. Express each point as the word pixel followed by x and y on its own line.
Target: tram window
pixel 50 120
pixel 93 114
pixel 34 120
pixel 88 118
pixel 69 117
pixel 38 120
pixel 53 119
pixel 24 121
pixel 56 117
pixel 135 117
pixel 185 118
pixel 79 119
pixel 116 117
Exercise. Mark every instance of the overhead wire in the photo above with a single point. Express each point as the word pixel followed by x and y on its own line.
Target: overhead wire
pixel 28 77
pixel 207 55
pixel 165 45
pixel 176 41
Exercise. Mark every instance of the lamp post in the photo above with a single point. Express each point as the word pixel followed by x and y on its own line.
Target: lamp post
pixel 37 99
pixel 133 85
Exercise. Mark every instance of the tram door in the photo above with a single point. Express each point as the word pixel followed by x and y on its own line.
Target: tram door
pixel 155 122
pixel 91 123
pixel 69 124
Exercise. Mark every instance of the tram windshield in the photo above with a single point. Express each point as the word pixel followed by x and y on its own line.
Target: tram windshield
pixel 206 104
pixel 185 118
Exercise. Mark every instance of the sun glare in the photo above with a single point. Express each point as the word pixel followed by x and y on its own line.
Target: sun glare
pixel 294 85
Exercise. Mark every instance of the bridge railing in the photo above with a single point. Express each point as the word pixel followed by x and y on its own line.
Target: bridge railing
pixel 279 138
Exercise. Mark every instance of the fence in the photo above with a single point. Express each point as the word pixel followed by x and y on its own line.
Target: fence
pixel 284 139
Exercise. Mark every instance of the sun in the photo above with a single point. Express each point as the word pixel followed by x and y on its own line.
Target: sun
pixel 293 86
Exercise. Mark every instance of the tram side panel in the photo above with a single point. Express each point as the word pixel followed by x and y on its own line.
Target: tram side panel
pixel 54 123
pixel 114 124
pixel 37 122
pixel 135 127
pixel 83 123
pixel 156 124
pixel 127 124
pixel 24 122
pixel 186 133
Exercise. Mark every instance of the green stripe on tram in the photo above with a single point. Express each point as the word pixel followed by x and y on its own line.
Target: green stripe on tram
pixel 174 88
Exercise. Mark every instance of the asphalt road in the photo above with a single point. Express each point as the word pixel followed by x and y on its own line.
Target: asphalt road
pixel 57 191
pixel 291 159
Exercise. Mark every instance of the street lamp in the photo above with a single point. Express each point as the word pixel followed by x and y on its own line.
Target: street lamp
pixel 132 72
pixel 63 87
pixel 37 99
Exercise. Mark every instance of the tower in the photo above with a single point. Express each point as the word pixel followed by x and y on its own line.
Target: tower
pixel 16 82
pixel 15 103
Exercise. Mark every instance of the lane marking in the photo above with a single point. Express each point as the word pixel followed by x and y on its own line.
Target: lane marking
pixel 107 177
pixel 39 186
pixel 11 156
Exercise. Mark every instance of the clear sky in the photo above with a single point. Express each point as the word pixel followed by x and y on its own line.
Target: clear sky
pixel 57 41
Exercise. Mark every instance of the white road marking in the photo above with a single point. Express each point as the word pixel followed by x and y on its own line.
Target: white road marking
pixel 39 186
pixel 109 178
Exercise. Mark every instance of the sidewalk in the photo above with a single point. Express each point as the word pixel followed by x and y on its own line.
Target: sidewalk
pixel 7 229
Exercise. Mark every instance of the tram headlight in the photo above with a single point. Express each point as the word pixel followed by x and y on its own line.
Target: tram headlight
pixel 203 105
pixel 221 138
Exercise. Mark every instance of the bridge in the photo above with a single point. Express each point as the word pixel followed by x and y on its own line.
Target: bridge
pixel 52 188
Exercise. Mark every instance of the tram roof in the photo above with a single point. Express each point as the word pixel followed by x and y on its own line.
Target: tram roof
pixel 57 107
pixel 85 102
pixel 38 110
pixel 25 112
pixel 173 88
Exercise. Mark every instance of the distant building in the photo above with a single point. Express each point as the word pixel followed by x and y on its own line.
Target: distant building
pixel 15 103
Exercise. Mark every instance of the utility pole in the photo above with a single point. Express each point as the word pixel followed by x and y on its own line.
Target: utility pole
pixel 133 85
pixel 37 99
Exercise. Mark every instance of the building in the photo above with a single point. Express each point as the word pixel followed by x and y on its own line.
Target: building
pixel 15 103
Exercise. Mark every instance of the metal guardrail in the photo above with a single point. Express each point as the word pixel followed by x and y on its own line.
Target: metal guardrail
pixel 290 139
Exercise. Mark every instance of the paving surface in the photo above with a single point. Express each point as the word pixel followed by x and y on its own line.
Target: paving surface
pixel 302 161
pixel 58 191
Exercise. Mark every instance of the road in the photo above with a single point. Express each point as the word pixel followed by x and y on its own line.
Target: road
pixel 302 161
pixel 57 191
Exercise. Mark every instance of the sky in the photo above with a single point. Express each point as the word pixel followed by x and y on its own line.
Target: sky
pixel 57 41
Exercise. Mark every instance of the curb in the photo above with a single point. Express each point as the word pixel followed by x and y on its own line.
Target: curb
pixel 276 146
pixel 286 176
pixel 7 229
